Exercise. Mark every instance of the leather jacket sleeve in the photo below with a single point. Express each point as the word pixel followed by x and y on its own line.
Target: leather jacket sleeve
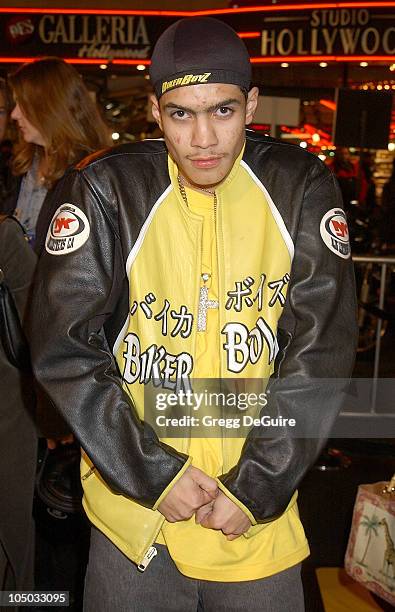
pixel 319 325
pixel 74 294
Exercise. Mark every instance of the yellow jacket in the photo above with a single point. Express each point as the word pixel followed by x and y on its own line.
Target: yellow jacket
pixel 282 270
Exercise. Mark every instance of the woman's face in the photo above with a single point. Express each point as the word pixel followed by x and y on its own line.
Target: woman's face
pixel 3 117
pixel 29 132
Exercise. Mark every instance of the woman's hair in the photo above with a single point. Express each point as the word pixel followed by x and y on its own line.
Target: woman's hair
pixel 54 99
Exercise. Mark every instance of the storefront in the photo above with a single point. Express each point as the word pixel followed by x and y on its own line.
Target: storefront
pixel 298 51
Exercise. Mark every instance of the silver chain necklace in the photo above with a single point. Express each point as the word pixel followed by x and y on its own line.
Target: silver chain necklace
pixel 204 302
pixel 184 194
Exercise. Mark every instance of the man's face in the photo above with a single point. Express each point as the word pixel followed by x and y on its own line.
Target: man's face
pixel 203 126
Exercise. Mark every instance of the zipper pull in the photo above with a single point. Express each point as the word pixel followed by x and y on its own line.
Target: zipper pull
pixel 149 555
pixel 88 473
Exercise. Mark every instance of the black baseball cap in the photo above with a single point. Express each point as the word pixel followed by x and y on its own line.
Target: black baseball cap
pixel 199 50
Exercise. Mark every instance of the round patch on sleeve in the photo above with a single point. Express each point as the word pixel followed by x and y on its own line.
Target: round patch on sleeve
pixel 334 232
pixel 68 231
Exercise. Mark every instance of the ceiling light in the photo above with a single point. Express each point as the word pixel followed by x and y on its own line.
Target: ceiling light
pixel 140 67
pixel 284 65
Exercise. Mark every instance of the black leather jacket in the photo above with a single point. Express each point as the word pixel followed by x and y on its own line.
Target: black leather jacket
pixel 79 293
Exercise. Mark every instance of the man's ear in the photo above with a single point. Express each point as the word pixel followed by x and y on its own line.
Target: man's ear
pixel 251 104
pixel 156 111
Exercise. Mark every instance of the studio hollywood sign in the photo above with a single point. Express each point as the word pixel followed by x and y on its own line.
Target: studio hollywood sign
pixel 329 32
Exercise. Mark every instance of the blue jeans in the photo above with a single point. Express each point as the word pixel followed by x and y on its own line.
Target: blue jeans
pixel 113 584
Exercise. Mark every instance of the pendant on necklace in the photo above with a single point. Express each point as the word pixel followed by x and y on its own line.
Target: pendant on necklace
pixel 204 304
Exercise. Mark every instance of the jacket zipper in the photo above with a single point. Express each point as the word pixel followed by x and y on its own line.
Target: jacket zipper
pixel 218 242
pixel 149 555
pixel 151 551
pixel 218 245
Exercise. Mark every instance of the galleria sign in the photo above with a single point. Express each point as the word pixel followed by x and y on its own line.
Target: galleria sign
pixel 330 32
pixel 103 36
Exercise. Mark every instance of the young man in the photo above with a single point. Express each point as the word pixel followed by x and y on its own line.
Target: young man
pixel 211 254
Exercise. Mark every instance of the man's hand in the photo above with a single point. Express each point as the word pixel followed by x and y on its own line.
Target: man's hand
pixel 193 490
pixel 222 513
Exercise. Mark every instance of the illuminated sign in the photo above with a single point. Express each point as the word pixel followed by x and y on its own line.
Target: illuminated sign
pixel 84 36
pixel 334 31
pixel 328 32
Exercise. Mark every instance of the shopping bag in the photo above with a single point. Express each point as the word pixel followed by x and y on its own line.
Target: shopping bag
pixel 370 555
